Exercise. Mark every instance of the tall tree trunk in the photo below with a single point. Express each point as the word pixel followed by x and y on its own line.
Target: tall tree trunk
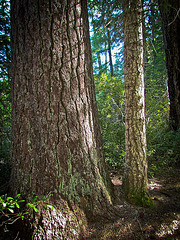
pixel 98 48
pixel 170 12
pixel 56 139
pixel 110 54
pixel 106 57
pixel 99 61
pixel 152 20
pixel 135 178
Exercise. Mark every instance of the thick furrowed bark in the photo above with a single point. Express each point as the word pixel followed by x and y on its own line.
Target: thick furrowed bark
pixel 56 139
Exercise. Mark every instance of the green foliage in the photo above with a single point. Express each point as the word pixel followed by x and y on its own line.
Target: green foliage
pixel 162 143
pixel 9 203
pixel 164 151
pixel 35 202
pixel 110 100
pixel 5 99
pixel 110 91
pixel 8 209
pixel 5 120
pixel 12 209
pixel 4 38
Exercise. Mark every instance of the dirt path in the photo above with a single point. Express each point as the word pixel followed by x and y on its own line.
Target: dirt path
pixel 130 222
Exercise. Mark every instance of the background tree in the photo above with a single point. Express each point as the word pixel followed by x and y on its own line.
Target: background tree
pixel 160 152
pixel 156 92
pixel 106 30
pixel 135 177
pixel 56 140
pixel 106 16
pixel 171 27
pixel 4 38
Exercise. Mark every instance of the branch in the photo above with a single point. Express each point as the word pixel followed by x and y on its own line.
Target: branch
pixel 174 18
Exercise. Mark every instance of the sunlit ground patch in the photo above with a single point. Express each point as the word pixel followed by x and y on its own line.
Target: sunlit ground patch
pixel 154 184
pixel 168 229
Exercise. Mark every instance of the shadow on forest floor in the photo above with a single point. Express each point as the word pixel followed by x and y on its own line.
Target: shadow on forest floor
pixel 161 222
pixel 136 223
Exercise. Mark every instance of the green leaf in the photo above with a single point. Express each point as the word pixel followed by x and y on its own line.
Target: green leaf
pixel 49 206
pixel 17 205
pixel 30 205
pixel 9 198
pixel 18 195
pixel 25 213
pixel 35 209
pixel 4 204
pixel 11 210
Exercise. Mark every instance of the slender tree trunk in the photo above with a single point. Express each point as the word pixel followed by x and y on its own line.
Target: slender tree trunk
pixel 56 139
pixel 152 20
pixel 106 56
pixel 99 60
pixel 135 178
pixel 98 48
pixel 170 12
pixel 110 54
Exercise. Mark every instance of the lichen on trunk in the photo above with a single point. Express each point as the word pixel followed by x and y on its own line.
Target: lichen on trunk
pixel 135 177
pixel 56 139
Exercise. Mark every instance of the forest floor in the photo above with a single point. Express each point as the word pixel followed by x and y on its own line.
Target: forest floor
pixel 130 222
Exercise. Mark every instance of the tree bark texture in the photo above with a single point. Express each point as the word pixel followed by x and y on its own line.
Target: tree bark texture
pixel 56 139
pixel 135 178
pixel 170 14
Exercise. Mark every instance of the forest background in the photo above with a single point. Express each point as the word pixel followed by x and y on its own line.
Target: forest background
pixel 106 32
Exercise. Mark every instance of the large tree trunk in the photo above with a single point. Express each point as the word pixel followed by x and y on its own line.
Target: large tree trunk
pixel 169 10
pixel 135 179
pixel 56 139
